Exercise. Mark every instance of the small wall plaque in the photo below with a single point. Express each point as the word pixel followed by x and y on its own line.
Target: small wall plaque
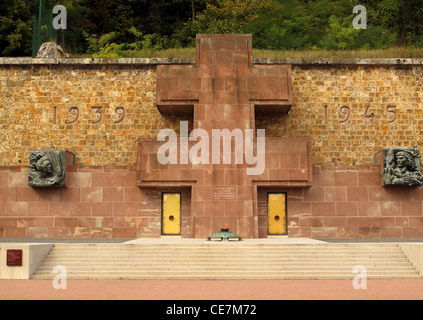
pixel 14 258
pixel 224 193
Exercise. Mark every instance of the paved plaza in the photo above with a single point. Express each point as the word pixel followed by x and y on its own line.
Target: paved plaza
pixel 398 289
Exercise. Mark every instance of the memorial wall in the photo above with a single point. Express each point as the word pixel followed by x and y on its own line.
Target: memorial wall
pixel 97 110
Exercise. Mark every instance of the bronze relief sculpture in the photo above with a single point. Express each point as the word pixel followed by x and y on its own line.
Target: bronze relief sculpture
pixel 47 168
pixel 402 166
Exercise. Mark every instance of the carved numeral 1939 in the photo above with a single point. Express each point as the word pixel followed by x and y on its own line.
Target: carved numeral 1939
pixel 74 114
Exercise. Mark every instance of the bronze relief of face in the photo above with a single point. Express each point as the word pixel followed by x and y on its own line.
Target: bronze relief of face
pixel 44 165
pixel 401 161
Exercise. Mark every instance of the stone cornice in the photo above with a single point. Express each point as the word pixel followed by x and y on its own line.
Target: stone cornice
pixel 164 61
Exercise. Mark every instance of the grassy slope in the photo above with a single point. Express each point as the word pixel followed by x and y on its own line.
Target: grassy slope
pixel 396 52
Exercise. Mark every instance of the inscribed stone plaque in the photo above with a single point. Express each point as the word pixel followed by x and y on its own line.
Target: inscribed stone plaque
pixel 224 193
pixel 14 258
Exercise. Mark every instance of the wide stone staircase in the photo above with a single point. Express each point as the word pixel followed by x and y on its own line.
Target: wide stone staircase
pixel 239 260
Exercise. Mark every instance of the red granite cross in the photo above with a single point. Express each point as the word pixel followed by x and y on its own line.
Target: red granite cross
pixel 225 90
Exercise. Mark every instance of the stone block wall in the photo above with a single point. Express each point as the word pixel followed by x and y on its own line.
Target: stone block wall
pixel 352 111
pixel 349 202
pixel 115 107
pixel 288 163
pixel 98 202
pixel 383 109
pixel 104 202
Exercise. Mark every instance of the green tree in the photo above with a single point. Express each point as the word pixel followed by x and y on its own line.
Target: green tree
pixel 291 24
pixel 274 24
pixel 230 16
pixel 297 24
pixel 340 34
pixel 401 17
pixel 15 28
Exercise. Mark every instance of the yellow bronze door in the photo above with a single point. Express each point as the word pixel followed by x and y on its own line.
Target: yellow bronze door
pixel 171 213
pixel 276 204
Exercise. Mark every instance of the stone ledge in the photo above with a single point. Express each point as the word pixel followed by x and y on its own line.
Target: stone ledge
pixel 159 61
pixel 414 252
pixel 32 255
pixel 339 61
pixel 93 61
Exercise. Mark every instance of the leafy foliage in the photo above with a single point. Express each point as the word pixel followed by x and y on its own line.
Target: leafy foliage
pixel 230 16
pixel 15 28
pixel 111 28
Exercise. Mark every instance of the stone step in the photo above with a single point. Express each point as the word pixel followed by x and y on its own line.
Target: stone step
pixel 212 249
pixel 225 254
pixel 225 261
pixel 228 276
pixel 214 268
pixel 203 261
pixel 226 244
pixel 369 262
pixel 220 246
pixel 228 260
pixel 220 257
pixel 222 277
pixel 223 248
pixel 218 252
